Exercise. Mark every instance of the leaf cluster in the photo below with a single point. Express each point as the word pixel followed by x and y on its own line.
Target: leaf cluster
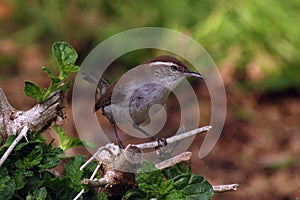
pixel 66 57
pixel 173 183
pixel 28 172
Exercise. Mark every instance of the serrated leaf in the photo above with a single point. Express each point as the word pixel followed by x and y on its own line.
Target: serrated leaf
pixel 32 90
pixel 7 185
pixel 149 177
pixel 33 159
pixel 19 178
pixel 33 182
pixel 49 163
pixel 40 194
pixel 152 181
pixel 73 172
pixel 64 53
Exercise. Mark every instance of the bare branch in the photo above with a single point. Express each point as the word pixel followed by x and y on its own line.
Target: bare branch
pixel 95 183
pixel 225 188
pixel 37 118
pixel 175 138
pixel 185 156
pixel 5 110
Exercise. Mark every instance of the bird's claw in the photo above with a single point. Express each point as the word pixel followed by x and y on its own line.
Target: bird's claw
pixel 161 142
pixel 121 145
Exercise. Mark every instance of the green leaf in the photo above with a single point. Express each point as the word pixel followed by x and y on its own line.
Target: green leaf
pixel 175 194
pixel 71 68
pixel 149 178
pixel 7 143
pixel 7 185
pixel 64 53
pixel 49 162
pixel 152 181
pixel 66 57
pixel 19 177
pixel 65 141
pixel 175 171
pixel 67 86
pixel 135 194
pixel 49 73
pixel 103 196
pixel 32 90
pixel 175 183
pixel 193 186
pixel 40 194
pixel 33 159
pixel 73 172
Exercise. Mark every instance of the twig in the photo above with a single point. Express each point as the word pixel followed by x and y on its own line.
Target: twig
pixel 225 188
pixel 92 176
pixel 174 138
pixel 79 194
pixel 14 144
pixel 95 183
pixel 185 156
pixel 95 171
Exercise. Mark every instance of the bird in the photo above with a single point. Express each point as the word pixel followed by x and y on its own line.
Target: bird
pixel 138 89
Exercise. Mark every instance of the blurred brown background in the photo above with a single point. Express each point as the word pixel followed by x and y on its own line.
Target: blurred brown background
pixel 255 44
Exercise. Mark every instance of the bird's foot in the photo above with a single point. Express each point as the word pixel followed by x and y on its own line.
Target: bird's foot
pixel 161 142
pixel 121 145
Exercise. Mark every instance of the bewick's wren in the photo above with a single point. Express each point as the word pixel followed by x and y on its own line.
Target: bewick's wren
pixel 141 87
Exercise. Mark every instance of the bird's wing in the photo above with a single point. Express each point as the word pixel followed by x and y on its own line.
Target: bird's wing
pixel 105 99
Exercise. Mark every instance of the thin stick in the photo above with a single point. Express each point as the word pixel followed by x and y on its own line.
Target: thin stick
pixel 225 188
pixel 185 156
pixel 93 157
pixel 175 138
pixel 79 194
pixel 95 183
pixel 95 171
pixel 14 144
pixel 92 176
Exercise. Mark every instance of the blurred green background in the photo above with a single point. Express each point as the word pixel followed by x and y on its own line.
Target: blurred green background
pixel 255 44
pixel 260 39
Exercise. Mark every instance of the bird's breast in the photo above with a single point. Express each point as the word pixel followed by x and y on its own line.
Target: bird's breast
pixel 137 103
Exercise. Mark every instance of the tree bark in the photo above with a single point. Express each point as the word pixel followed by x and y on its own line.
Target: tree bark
pixel 37 118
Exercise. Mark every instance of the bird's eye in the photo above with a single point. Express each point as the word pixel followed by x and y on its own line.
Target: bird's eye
pixel 173 68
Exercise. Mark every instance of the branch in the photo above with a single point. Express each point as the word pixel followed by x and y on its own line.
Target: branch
pixel 95 183
pixel 225 188
pixel 37 118
pixel 116 163
pixel 175 138
pixel 183 157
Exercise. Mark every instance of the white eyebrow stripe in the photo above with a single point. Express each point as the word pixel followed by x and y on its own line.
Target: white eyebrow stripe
pixel 162 63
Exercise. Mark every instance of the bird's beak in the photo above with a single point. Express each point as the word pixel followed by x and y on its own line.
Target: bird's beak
pixel 194 74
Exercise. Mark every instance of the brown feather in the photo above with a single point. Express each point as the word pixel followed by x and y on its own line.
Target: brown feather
pixel 105 99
